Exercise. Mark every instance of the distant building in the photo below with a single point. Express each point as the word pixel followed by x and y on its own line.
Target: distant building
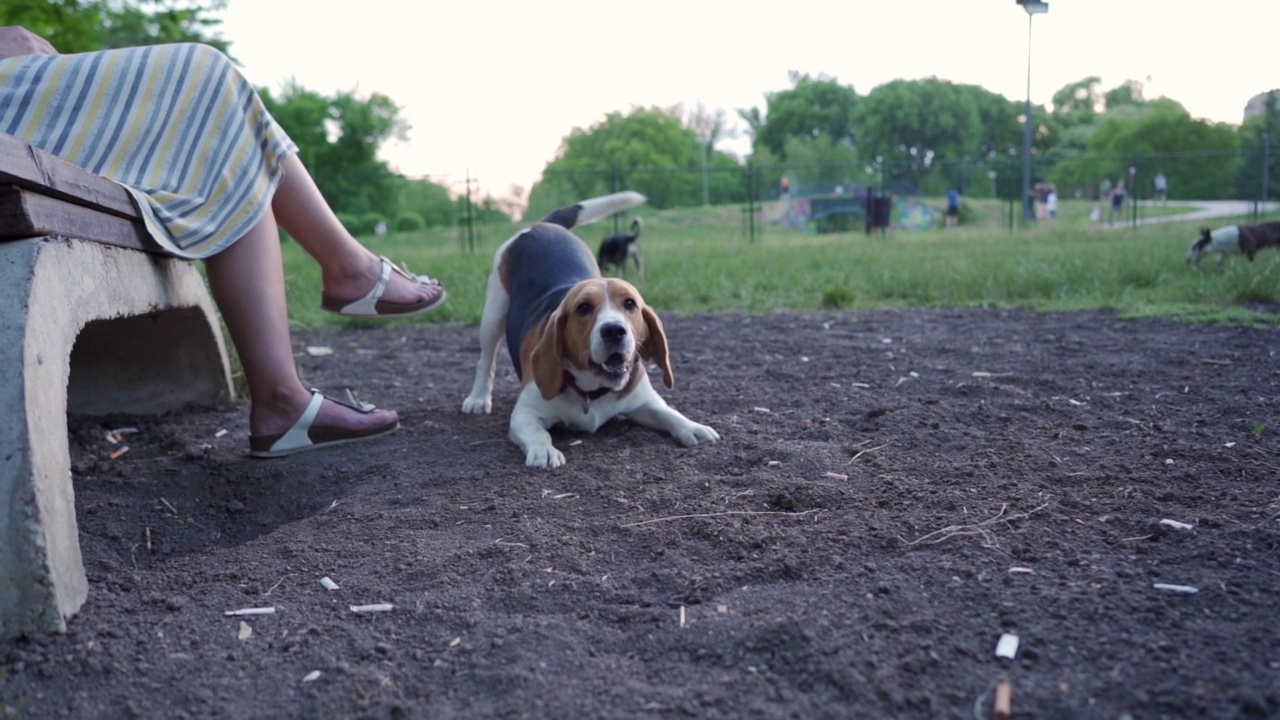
pixel 1258 103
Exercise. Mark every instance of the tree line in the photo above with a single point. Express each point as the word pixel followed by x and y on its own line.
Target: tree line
pixel 929 135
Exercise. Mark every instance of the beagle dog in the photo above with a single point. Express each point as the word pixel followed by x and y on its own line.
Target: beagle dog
pixel 617 249
pixel 1234 239
pixel 579 341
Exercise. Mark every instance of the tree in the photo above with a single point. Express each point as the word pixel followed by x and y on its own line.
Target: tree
pixel 1258 146
pixel 83 25
pixel 812 108
pixel 710 127
pixel 1199 158
pixel 910 124
pixel 1078 103
pixel 648 150
pixel 1128 93
pixel 338 140
pixel 428 200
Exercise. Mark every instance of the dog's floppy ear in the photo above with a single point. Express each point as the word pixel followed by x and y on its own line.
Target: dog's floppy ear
pixel 655 347
pixel 547 356
pixel 1204 239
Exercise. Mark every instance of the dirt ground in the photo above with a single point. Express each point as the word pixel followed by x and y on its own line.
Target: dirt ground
pixel 893 492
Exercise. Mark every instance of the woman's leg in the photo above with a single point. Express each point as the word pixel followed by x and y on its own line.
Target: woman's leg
pixel 247 280
pixel 348 269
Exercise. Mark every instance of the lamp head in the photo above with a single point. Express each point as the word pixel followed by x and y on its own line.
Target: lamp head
pixel 1033 7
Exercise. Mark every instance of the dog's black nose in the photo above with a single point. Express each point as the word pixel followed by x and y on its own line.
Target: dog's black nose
pixel 613 332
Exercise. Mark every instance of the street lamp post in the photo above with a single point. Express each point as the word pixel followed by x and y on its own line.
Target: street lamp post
pixel 1033 8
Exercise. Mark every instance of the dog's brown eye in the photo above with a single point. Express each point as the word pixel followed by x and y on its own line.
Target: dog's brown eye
pixel 629 305
pixel 584 309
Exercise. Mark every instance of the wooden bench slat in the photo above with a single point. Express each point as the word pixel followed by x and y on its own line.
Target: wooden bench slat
pixel 32 168
pixel 26 214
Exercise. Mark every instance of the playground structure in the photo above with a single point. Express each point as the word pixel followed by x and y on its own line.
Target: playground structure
pixel 842 210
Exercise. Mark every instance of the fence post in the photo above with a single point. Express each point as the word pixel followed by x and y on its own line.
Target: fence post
pixel 749 212
pixel 1266 168
pixel 466 236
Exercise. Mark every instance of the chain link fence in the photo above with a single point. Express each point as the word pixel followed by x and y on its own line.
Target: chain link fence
pixel 841 196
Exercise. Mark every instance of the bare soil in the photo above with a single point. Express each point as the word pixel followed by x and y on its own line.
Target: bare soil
pixel 894 491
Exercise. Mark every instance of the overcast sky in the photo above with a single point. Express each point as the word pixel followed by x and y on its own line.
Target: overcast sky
pixel 492 87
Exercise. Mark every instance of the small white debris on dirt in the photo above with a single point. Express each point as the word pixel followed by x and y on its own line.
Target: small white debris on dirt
pixel 319 350
pixel 682 616
pixel 311 676
pixel 575 442
pixel 117 453
pixel 914 374
pixel 761 410
pixel 246 632
pixel 252 611
pixel 373 608
pixel 835 476
pixel 1230 444
pixel 773 463
pixel 220 433
pixel 1176 525
pixel 1007 646
pixel 859 385
pixel 113 437
pixel 1018 570
pixel 722 608
pixel 804 358
pixel 127 431
pixel 455 642
pixel 1076 402
pixel 1181 589
pixel 1168 461
pixel 328 584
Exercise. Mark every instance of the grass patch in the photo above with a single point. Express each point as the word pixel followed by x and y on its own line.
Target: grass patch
pixel 701 260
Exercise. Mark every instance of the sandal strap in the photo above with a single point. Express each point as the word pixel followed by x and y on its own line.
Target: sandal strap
pixel 409 275
pixel 367 305
pixel 297 436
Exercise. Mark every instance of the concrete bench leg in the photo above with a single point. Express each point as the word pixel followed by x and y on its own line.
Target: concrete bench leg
pixel 93 329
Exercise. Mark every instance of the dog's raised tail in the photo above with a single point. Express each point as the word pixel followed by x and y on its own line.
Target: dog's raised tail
pixel 589 211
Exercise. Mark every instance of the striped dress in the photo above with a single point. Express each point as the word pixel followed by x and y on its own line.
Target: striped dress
pixel 176 125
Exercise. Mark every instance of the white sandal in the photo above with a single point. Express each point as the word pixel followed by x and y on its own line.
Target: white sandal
pixel 372 305
pixel 305 435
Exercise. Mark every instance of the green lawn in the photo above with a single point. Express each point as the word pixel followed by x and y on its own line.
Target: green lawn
pixel 701 260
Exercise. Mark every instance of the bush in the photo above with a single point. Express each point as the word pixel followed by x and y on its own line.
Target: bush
pixel 368 222
pixel 350 222
pixel 409 222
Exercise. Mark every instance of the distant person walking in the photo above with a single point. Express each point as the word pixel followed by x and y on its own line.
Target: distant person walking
pixel 1051 203
pixel 1117 202
pixel 953 208
pixel 1162 188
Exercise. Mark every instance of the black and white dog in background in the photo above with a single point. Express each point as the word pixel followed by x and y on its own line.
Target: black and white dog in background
pixel 1234 240
pixel 617 249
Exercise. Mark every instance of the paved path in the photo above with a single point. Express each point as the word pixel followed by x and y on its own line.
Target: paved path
pixel 1205 209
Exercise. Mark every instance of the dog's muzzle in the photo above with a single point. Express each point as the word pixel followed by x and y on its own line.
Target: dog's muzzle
pixel 618 348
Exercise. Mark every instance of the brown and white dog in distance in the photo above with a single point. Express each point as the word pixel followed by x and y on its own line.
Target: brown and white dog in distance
pixel 579 341
pixel 1234 240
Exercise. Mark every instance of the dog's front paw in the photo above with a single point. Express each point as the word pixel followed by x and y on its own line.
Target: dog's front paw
pixel 694 434
pixel 477 405
pixel 544 456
